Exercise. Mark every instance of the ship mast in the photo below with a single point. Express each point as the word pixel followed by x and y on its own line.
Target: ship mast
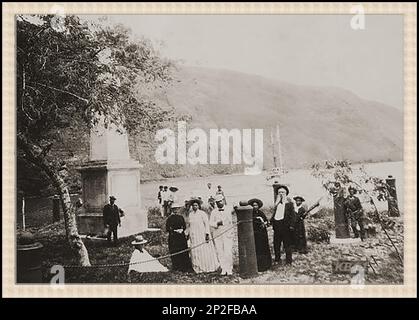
pixel 281 163
pixel 273 147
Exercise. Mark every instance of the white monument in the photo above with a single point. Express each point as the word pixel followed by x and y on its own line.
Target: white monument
pixel 111 171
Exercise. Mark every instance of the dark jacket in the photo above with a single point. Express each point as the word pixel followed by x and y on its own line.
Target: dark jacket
pixel 352 204
pixel 289 215
pixel 111 215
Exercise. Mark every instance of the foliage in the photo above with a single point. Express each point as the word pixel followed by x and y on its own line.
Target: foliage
pixel 85 71
pixel 314 267
pixel 70 78
pixel 337 175
pixel 317 231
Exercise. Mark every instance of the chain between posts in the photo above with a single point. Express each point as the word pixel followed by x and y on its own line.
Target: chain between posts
pixel 124 264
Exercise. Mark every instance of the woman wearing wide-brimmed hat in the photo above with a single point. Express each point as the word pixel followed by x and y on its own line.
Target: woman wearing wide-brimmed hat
pixel 172 198
pixel 177 241
pixel 260 223
pixel 203 254
pixel 141 261
pixel 300 230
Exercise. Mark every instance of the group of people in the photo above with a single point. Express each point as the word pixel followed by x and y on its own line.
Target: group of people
pixel 288 226
pixel 203 242
pixel 210 237
pixel 166 197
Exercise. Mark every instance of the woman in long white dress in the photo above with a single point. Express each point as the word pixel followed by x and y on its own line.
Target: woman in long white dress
pixel 204 257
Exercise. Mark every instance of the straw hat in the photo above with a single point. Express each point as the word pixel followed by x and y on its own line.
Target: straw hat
pixel 139 240
pixel 258 201
pixel 195 200
pixel 218 197
pixel 299 197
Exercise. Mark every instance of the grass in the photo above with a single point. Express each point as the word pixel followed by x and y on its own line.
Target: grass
pixel 57 252
pixel 312 268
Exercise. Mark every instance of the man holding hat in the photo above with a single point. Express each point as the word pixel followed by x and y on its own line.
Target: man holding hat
pixel 111 219
pixel 283 222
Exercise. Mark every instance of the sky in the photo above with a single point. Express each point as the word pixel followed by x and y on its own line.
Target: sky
pixel 318 50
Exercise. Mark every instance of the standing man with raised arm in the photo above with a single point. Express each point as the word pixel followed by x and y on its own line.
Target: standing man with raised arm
pixel 283 222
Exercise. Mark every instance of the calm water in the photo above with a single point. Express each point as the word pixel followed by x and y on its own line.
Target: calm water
pixel 244 187
pixel 236 188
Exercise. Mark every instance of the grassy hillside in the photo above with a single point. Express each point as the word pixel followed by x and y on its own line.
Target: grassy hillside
pixel 316 123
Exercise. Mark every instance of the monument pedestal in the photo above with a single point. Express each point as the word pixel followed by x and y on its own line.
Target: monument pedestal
pixel 341 222
pixel 111 171
pixel 334 240
pixel 102 179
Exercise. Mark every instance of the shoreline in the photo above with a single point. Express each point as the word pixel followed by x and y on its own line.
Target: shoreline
pixel 264 172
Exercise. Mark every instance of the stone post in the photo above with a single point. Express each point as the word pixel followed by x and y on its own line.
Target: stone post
pixel 393 207
pixel 246 238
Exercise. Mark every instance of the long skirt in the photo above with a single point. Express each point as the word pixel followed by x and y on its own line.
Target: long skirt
pixel 204 257
pixel 263 252
pixel 181 261
pixel 300 237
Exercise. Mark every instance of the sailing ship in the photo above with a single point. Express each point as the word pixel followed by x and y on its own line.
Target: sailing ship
pixel 276 174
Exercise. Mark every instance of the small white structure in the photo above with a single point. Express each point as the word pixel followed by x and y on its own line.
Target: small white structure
pixel 111 171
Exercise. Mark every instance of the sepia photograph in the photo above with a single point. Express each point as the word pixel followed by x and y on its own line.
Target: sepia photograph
pixel 210 149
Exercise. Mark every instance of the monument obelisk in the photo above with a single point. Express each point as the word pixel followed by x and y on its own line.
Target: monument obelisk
pixel 111 171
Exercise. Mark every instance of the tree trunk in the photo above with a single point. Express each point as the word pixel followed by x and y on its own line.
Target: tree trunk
pixel 34 154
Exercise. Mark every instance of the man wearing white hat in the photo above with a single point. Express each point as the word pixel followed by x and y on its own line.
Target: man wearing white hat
pixel 221 229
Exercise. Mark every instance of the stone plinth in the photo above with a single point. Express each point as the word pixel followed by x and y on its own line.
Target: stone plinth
pixel 111 171
pixel 341 222
pixel 334 240
pixel 121 179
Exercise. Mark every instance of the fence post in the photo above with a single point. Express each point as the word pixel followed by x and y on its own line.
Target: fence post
pixel 393 207
pixel 56 208
pixel 247 249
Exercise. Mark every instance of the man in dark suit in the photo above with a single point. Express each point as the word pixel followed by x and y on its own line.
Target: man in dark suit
pixel 283 222
pixel 159 194
pixel 354 212
pixel 112 219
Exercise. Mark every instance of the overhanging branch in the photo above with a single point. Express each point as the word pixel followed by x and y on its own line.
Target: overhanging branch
pixel 62 91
